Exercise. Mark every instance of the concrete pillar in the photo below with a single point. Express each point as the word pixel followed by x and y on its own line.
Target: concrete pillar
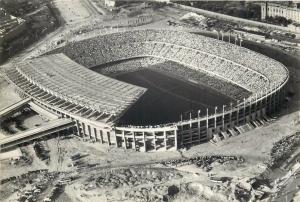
pixel 230 115
pixel 261 103
pixel 154 140
pixel 191 133
pixel 216 108
pixel 175 139
pixel 89 131
pixel 165 139
pixel 250 109
pixel 275 106
pixel 255 106
pixel 101 136
pixel 108 138
pixel 223 117
pixel 95 134
pixel 116 138
pixel 73 130
pixel 199 125
pixel 181 135
pixel 83 129
pixel 244 111
pixel 270 103
pixel 133 141
pixel 79 132
pixel 124 142
pixel 279 98
pixel 238 113
pixel 207 121
pixel 144 141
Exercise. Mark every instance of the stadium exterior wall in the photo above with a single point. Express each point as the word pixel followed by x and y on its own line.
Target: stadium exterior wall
pixel 180 134
pixel 202 129
pixel 85 128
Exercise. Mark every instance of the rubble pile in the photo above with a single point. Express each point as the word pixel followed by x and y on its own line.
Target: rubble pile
pixel 247 189
pixel 37 185
pixel 242 194
pixel 24 176
pixel 282 149
pixel 203 162
pixel 235 189
pixel 156 193
pixel 30 186
pixel 135 177
pixel 55 191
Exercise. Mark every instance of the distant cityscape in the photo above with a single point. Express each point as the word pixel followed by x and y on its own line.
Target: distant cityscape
pixel 288 10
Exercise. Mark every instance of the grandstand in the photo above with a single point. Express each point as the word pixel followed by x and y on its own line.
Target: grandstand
pixel 59 81
pixel 223 60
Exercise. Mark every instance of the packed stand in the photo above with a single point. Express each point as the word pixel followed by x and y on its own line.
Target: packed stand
pixel 223 60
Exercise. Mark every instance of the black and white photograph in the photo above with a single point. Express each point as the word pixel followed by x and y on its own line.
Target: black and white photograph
pixel 149 101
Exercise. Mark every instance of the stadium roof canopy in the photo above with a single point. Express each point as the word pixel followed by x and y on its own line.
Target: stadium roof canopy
pixel 63 78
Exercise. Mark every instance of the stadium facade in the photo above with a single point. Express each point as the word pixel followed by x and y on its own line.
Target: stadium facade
pixel 62 83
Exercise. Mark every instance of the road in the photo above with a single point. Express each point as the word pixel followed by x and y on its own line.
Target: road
pixel 50 127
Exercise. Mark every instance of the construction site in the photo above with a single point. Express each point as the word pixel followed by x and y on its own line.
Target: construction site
pixel 103 107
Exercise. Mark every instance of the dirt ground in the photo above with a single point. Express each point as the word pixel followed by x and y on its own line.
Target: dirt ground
pixel 254 147
pixel 7 94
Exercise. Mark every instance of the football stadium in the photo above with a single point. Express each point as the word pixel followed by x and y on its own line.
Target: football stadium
pixel 152 90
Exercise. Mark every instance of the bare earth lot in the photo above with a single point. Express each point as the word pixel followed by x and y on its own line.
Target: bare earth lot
pixel 254 147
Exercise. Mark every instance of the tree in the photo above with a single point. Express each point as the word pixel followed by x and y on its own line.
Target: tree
pixel 279 20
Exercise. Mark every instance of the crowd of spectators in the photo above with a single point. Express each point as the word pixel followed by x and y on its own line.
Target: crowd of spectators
pixel 196 76
pixel 203 78
pixel 123 66
pixel 216 58
pixel 219 67
pixel 173 124
pixel 222 66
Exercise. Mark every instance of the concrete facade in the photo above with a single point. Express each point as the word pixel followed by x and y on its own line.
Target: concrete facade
pixel 203 128
pixel 177 135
